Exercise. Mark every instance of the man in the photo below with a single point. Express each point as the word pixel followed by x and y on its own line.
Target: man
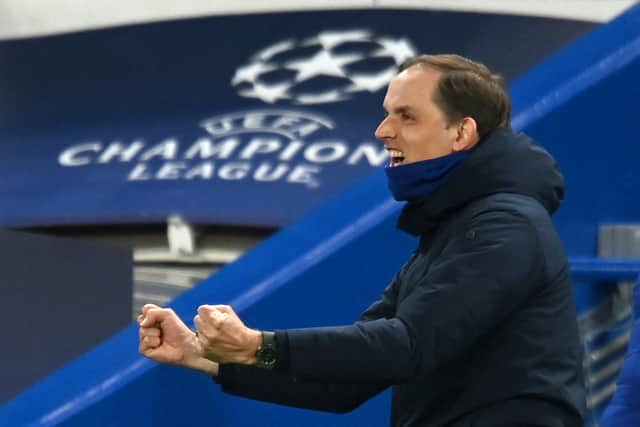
pixel 478 328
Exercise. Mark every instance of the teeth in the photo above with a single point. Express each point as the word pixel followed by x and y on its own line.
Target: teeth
pixel 397 157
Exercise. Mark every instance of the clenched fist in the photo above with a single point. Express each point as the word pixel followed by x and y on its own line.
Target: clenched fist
pixel 223 337
pixel 166 339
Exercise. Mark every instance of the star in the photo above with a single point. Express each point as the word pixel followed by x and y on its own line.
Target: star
pixel 322 63
pixel 400 49
pixel 330 39
pixel 267 93
pixel 268 52
pixel 320 98
pixel 248 73
pixel 371 82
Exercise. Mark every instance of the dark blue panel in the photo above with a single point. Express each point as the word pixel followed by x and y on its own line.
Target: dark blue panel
pixel 58 298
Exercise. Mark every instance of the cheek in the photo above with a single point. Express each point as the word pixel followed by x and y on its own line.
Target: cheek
pixel 428 145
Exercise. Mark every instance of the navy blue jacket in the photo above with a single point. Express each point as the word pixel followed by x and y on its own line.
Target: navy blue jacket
pixel 478 328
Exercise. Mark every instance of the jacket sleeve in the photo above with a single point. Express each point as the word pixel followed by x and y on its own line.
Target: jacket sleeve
pixel 279 387
pixel 276 387
pixel 482 275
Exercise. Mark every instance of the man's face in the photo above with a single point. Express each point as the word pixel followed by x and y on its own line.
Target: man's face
pixel 414 128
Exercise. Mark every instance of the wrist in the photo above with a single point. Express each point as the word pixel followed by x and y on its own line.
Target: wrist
pixel 205 365
pixel 195 356
pixel 254 338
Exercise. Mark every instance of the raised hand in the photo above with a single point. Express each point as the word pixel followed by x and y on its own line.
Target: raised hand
pixel 224 337
pixel 166 339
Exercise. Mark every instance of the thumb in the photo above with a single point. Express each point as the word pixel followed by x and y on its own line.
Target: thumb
pixel 152 353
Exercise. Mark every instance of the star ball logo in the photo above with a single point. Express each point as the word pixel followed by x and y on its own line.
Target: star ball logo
pixel 329 67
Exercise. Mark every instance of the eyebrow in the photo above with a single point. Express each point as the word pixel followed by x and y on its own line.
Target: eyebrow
pixel 400 109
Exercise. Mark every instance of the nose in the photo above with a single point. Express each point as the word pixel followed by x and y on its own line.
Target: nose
pixel 385 130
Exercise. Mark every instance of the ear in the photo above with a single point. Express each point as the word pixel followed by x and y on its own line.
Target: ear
pixel 467 134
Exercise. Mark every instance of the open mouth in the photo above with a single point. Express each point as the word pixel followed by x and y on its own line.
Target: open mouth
pixel 397 157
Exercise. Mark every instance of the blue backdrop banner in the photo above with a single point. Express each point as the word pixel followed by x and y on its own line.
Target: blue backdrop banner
pixel 247 120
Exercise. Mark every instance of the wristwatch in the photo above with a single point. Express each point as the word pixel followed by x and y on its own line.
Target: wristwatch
pixel 267 354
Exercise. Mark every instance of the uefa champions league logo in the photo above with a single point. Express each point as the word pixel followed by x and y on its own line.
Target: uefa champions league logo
pixel 273 144
pixel 329 67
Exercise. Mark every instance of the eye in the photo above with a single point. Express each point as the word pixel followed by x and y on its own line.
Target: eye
pixel 406 116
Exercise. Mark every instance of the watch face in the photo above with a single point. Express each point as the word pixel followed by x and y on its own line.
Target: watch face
pixel 266 357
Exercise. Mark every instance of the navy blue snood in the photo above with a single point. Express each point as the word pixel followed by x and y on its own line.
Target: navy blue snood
pixel 418 179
